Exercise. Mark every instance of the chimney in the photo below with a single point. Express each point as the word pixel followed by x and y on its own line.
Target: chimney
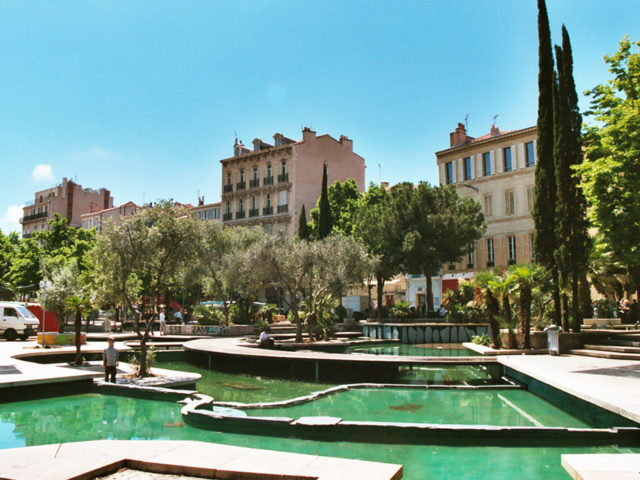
pixel 256 144
pixel 308 134
pixel 459 137
pixel 384 185
pixel 494 131
pixel 344 140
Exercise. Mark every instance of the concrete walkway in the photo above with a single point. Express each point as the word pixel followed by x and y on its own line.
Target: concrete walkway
pixel 86 460
pixel 605 466
pixel 611 384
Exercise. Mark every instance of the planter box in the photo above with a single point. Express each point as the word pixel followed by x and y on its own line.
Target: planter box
pixel 61 338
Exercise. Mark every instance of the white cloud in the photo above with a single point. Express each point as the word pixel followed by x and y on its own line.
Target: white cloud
pixel 10 222
pixel 43 173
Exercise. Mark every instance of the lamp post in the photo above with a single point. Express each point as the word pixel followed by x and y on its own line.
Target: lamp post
pixel 44 285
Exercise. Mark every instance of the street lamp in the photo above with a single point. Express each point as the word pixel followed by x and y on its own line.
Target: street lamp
pixel 472 187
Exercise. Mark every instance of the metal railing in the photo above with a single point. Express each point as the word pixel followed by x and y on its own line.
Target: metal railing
pixel 283 177
pixel 267 211
pixel 283 208
pixel 255 183
pixel 267 181
pixel 254 212
pixel 227 188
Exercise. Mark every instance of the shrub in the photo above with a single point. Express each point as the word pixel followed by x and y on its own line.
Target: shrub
pixel 208 316
pixel 134 360
pixel 483 339
pixel 605 308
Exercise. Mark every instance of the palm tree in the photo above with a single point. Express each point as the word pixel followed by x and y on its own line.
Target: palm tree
pixel 481 281
pixel 503 287
pixel 77 304
pixel 525 276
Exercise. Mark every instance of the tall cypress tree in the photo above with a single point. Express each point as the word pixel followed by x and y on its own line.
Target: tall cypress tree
pixel 545 188
pixel 573 247
pixel 303 229
pixel 324 222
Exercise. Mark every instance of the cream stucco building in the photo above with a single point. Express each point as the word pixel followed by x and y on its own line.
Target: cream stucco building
pixel 98 218
pixel 269 184
pixel 497 170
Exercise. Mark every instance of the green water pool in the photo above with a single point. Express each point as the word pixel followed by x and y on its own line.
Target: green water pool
pixel 92 416
pixel 415 350
pixel 464 407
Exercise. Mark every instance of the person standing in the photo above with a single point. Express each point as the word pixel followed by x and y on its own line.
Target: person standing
pixel 163 322
pixel 110 361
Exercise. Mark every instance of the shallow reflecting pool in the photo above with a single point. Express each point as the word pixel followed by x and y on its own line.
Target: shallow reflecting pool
pixel 415 350
pixel 92 417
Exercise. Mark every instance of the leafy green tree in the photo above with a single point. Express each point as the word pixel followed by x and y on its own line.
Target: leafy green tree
pixel 525 277
pixel 344 200
pixel 78 304
pixel 63 280
pixel 544 208
pixel 325 221
pixel 372 226
pixel 438 227
pixel 503 287
pixel 611 172
pixel 572 247
pixel 222 264
pixel 7 255
pixel 304 232
pixel 142 258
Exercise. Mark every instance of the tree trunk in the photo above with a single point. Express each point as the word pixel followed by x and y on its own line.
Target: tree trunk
pixel 556 296
pixel 564 301
pixel 380 290
pixel 506 306
pixel 575 299
pixel 78 337
pixel 525 316
pixel 493 310
pixel 296 319
pixel 427 276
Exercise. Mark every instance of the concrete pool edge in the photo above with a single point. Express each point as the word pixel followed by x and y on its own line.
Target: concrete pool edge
pixel 86 460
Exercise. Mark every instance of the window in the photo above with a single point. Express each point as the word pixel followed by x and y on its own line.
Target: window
pixel 228 178
pixel 512 250
pixel 269 173
pixel 10 312
pixel 241 175
pixel 531 250
pixel 284 168
pixel 240 205
pixel 255 173
pixel 227 208
pixel 486 164
pixel 506 158
pixel 452 265
pixel 490 253
pixel 268 201
pixel 449 172
pixel 530 198
pixel 488 205
pixel 467 168
pixel 509 203
pixel 531 157
pixel 470 263
pixel 254 203
pixel 282 198
pixel 216 213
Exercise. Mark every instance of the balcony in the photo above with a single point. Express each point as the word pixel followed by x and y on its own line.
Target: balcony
pixel 283 177
pixel 470 265
pixel 490 263
pixel 241 186
pixel 255 183
pixel 283 208
pixel 267 181
pixel 267 211
pixel 240 214
pixel 34 216
pixel 512 261
pixel 227 188
pixel 227 216
pixel 254 212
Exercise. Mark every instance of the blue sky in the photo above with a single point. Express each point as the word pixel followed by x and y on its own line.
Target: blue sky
pixel 144 97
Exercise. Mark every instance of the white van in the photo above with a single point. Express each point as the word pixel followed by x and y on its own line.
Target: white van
pixel 16 321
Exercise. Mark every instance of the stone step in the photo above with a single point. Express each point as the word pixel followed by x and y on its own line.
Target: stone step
pixel 602 354
pixel 620 343
pixel 614 348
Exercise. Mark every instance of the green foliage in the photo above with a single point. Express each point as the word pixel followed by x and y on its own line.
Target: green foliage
pixel 401 310
pixel 344 200
pixel 267 311
pixel 483 339
pixel 325 220
pixel 205 315
pixel 304 232
pixel 134 361
pixel 605 308
pixel 611 173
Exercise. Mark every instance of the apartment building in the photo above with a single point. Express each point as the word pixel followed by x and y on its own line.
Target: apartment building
pixel 97 219
pixel 68 199
pixel 269 184
pixel 497 170
pixel 207 211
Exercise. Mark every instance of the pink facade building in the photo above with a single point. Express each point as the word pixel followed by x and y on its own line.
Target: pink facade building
pixel 269 184
pixel 68 199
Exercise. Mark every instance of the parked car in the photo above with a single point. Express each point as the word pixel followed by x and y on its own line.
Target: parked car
pixel 16 321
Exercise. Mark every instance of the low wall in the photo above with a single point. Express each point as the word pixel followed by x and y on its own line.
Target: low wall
pixel 211 330
pixel 425 332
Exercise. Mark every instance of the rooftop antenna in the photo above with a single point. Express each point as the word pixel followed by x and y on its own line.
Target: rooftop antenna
pixel 466 122
pixel 494 119
pixel 379 172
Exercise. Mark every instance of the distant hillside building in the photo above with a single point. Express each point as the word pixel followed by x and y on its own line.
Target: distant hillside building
pixel 268 185
pixel 68 199
pixel 97 218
